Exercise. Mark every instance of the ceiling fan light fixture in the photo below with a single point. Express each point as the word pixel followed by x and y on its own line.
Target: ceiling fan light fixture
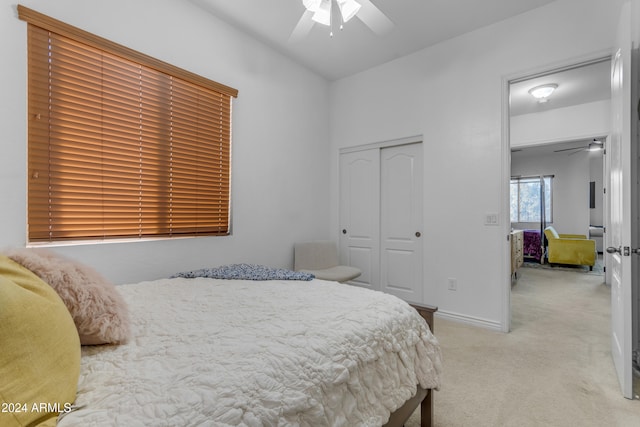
pixel 312 5
pixel 348 9
pixel 542 92
pixel 322 15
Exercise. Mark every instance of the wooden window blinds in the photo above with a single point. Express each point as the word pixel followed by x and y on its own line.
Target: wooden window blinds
pixel 121 145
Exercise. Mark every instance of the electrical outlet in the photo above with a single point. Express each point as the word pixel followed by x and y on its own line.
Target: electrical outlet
pixel 452 284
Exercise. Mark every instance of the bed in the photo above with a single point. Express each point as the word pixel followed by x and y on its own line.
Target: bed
pixel 246 352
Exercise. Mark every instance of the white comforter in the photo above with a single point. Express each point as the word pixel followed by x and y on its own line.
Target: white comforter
pixel 212 352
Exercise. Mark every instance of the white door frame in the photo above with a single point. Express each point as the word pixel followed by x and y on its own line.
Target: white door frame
pixel 506 165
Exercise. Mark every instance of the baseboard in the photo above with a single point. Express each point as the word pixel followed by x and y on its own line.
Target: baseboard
pixel 474 321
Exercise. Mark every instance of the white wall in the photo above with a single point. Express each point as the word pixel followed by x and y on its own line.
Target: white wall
pixel 571 213
pixel 280 135
pixel 452 94
pixel 561 124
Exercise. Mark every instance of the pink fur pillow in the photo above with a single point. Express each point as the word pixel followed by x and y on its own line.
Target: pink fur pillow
pixel 98 310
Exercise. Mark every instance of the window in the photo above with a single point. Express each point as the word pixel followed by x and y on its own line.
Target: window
pixel 527 200
pixel 121 145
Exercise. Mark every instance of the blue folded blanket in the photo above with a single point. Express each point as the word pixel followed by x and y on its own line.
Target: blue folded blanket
pixel 246 272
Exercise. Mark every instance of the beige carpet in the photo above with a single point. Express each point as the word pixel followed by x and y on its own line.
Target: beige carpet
pixel 596 269
pixel 553 369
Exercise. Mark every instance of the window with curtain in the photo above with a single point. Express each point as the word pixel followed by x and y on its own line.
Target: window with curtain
pixel 121 145
pixel 526 199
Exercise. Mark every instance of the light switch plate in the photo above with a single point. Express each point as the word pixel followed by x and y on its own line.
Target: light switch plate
pixel 491 219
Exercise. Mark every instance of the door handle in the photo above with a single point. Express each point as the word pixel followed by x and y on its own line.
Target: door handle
pixel 613 250
pixel 418 234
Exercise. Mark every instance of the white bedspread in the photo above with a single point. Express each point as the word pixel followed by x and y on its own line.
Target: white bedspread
pixel 210 352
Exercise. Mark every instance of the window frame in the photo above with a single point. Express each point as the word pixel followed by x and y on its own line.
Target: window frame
pixel 518 180
pixel 191 80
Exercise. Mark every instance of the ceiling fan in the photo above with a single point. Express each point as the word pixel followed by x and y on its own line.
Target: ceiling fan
pixel 596 145
pixel 322 12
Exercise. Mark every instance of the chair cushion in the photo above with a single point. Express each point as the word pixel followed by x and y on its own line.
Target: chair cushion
pixel 551 233
pixel 40 349
pixel 340 273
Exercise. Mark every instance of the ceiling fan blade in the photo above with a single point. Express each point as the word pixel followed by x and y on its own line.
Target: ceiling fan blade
pixel 304 25
pixel 569 149
pixel 374 18
pixel 577 151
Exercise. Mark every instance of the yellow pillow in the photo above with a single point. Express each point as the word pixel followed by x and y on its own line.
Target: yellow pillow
pixel 40 349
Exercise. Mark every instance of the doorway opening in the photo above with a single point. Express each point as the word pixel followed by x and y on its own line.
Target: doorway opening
pixel 551 135
pixel 562 134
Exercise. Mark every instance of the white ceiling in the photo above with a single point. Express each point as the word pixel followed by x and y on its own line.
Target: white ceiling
pixel 417 25
pixel 579 85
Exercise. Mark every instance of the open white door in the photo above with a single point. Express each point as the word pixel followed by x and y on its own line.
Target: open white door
pixel 622 206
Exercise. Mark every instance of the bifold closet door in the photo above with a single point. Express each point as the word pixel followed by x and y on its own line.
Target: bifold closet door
pixel 401 219
pixel 359 215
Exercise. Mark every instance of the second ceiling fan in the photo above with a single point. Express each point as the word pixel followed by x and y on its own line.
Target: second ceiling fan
pixel 595 145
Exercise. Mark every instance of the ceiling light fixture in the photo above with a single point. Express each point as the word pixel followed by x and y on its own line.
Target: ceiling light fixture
pixel 542 92
pixel 596 145
pixel 348 9
pixel 321 10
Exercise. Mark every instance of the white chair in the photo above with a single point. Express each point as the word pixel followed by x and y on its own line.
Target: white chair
pixel 321 259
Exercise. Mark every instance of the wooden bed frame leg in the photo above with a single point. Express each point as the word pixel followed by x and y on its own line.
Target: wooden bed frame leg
pixel 426 407
pixel 426 410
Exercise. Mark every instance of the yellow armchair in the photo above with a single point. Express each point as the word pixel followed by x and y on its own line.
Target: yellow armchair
pixel 574 249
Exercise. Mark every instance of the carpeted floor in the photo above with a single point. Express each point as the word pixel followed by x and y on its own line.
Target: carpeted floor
pixel 597 269
pixel 553 369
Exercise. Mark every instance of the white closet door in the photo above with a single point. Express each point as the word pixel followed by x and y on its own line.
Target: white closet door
pixel 359 215
pixel 401 218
